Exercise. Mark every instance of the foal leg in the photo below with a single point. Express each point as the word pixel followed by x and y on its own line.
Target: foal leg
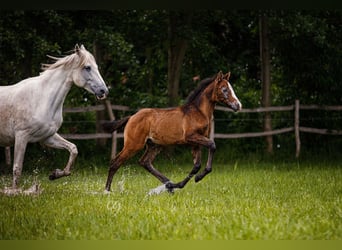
pixel 208 168
pixel 132 145
pixel 56 141
pixel 204 141
pixel 196 155
pixel 115 164
pixel 146 161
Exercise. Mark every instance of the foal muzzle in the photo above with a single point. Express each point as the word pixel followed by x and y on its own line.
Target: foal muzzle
pixel 236 106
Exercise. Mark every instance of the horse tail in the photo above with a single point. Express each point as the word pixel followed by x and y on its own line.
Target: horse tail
pixel 111 126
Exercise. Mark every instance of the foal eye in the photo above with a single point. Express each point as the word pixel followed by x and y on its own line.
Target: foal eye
pixel 87 68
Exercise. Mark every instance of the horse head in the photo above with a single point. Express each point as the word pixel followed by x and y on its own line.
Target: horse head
pixel 224 93
pixel 86 74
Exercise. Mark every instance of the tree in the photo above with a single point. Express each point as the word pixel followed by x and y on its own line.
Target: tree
pixel 266 77
pixel 149 57
pixel 178 42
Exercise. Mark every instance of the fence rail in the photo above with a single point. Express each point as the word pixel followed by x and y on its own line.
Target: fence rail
pixel 107 106
pixel 254 134
pixel 296 128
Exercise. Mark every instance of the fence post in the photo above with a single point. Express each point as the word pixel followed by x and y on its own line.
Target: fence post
pixel 114 139
pixel 296 126
pixel 100 116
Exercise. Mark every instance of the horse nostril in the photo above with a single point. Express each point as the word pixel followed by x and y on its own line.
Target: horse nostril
pixel 238 106
pixel 103 92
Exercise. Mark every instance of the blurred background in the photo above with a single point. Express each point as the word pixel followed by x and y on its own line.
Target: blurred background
pixel 155 58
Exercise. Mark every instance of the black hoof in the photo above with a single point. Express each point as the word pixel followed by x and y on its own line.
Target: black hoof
pixel 198 178
pixel 55 174
pixel 52 177
pixel 170 186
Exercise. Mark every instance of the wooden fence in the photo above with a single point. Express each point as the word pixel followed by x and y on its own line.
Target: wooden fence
pixel 296 128
pixel 107 106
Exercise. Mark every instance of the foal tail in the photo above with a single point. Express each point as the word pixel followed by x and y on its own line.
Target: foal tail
pixel 111 126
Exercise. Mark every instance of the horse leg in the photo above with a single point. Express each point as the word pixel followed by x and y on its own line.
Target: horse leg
pixel 204 141
pixel 146 161
pixel 56 141
pixel 196 155
pixel 19 153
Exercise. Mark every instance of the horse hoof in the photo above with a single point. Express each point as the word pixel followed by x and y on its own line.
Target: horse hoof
pixel 57 173
pixel 12 191
pixel 34 190
pixel 52 177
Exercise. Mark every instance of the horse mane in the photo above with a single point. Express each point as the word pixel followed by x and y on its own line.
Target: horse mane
pixel 199 89
pixel 77 59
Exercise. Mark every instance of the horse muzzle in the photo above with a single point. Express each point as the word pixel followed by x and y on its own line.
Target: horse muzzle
pixel 101 94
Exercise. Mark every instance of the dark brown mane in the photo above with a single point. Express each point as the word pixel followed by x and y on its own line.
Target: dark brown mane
pixel 197 91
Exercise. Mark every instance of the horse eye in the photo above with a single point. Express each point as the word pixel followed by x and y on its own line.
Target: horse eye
pixel 87 68
pixel 224 90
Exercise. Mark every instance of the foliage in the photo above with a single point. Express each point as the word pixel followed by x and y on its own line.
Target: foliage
pixel 131 48
pixel 308 40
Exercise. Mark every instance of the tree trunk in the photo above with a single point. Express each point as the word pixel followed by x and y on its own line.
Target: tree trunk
pixel 266 78
pixel 176 53
pixel 100 115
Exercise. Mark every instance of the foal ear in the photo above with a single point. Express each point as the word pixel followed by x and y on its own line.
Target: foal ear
pixel 219 76
pixel 226 76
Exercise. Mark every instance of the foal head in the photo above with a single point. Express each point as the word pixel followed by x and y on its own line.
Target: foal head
pixel 224 93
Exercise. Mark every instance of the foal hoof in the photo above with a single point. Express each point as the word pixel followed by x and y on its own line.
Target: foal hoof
pixel 170 187
pixel 197 178
pixel 171 191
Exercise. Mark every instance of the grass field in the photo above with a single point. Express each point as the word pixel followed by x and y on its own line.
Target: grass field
pixel 235 201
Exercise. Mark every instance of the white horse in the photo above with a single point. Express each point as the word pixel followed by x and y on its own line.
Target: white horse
pixel 31 110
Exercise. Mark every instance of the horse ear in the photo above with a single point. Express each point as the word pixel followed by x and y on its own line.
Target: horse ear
pixel 226 76
pixel 82 47
pixel 77 48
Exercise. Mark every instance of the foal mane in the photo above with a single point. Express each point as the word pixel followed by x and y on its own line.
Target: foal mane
pixel 76 60
pixel 199 89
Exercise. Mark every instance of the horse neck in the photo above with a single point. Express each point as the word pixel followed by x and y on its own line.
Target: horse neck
pixel 55 86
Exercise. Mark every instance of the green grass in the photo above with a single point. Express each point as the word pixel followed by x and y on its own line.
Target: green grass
pixel 235 201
